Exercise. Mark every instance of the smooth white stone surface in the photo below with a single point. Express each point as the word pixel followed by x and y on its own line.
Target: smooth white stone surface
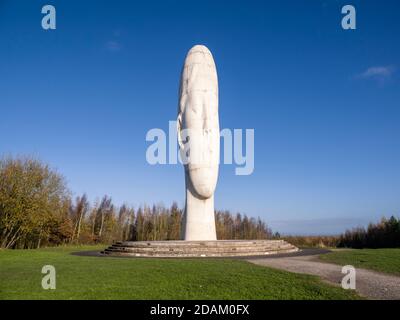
pixel 198 121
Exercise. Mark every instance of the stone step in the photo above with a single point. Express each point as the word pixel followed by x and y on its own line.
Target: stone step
pixel 201 249
pixel 221 248
pixel 208 254
pixel 196 251
pixel 223 243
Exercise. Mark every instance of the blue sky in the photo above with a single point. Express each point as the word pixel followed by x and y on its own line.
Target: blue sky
pixel 323 101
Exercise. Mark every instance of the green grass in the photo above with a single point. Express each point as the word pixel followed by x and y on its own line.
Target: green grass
pixel 80 277
pixel 384 260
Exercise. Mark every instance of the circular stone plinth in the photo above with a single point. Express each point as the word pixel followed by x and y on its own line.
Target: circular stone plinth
pixel 184 249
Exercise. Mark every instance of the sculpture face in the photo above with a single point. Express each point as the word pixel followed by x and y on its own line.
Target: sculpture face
pixel 198 123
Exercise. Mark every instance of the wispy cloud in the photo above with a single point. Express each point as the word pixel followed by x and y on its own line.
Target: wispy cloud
pixel 378 73
pixel 113 45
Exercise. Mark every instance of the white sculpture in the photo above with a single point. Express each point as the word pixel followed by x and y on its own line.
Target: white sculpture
pixel 198 137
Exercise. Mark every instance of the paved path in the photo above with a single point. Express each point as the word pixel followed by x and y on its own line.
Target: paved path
pixel 369 284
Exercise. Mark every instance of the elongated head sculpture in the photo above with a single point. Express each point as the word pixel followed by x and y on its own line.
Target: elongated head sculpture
pixel 198 137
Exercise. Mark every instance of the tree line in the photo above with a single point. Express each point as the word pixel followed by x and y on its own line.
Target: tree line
pixel 384 234
pixel 37 209
pixel 313 241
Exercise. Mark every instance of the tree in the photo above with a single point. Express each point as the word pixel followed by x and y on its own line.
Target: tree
pixel 33 199
pixel 36 209
pixel 174 223
pixel 78 213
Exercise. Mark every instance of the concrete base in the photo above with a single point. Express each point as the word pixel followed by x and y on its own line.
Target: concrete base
pixel 187 249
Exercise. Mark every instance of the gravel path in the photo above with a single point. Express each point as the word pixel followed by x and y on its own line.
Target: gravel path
pixel 369 284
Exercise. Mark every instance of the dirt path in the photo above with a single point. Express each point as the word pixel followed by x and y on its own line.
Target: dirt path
pixel 369 284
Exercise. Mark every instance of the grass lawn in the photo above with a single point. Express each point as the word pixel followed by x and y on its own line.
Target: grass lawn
pixel 80 277
pixel 384 260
